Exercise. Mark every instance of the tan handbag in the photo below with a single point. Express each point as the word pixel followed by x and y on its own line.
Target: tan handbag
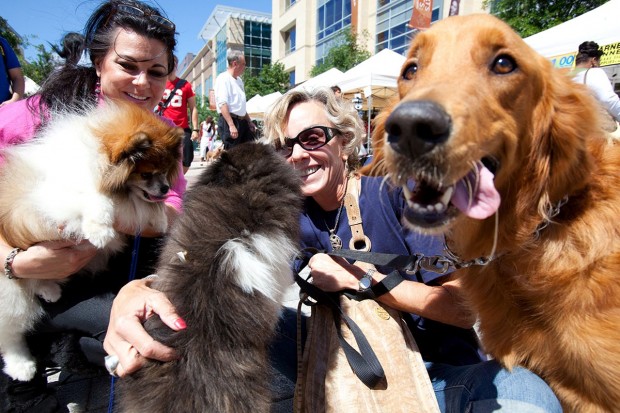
pixel 326 380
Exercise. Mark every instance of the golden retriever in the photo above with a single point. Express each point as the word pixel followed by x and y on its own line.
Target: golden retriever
pixel 510 164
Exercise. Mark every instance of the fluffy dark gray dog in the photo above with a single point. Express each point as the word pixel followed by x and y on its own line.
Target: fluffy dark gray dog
pixel 224 267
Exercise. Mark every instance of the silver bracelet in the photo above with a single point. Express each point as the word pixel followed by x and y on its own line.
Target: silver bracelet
pixel 8 263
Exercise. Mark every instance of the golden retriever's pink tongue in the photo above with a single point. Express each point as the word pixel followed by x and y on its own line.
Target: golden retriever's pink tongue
pixel 484 200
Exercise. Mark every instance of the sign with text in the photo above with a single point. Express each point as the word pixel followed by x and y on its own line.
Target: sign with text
pixel 565 61
pixel 611 57
pixel 212 99
pixel 612 54
pixel 422 13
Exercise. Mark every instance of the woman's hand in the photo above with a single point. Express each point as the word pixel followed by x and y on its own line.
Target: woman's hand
pixel 51 260
pixel 126 337
pixel 335 273
pixel 443 303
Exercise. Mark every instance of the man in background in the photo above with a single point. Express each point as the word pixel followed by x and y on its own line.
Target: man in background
pixel 178 100
pixel 12 82
pixel 234 125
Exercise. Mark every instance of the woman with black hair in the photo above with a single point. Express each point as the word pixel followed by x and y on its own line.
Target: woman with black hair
pixel 588 72
pixel 72 49
pixel 131 46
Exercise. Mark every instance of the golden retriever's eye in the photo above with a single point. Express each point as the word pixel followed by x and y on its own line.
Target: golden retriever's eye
pixel 503 64
pixel 410 71
pixel 146 175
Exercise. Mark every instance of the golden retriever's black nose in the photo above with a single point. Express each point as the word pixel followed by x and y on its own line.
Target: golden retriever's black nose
pixel 415 127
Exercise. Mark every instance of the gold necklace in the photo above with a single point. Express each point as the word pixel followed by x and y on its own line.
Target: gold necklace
pixel 334 239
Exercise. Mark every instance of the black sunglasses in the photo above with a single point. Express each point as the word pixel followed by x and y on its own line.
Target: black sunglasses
pixel 149 14
pixel 309 139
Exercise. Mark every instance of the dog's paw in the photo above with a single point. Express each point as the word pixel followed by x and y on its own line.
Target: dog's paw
pixel 49 291
pixel 19 368
pixel 98 234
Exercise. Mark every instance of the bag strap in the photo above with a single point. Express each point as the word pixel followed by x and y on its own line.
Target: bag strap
pixel 161 106
pixel 359 241
pixel 364 362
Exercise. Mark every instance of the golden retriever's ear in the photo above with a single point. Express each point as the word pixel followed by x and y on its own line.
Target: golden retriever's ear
pixel 563 123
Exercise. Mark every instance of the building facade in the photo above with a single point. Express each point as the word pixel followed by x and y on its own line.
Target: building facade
pixel 305 30
pixel 228 27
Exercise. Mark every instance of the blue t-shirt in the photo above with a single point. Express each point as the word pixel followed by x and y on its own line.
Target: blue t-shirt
pixel 381 206
pixel 11 63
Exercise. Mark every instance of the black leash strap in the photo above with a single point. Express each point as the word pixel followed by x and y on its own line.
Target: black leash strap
pixel 364 363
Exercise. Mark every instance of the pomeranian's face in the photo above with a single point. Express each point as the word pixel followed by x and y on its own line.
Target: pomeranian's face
pixel 144 152
pixel 148 183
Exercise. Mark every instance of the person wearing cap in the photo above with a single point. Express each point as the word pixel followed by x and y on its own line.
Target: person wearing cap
pixel 588 72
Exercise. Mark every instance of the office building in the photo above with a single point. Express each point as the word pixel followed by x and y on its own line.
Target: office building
pixel 228 27
pixel 305 30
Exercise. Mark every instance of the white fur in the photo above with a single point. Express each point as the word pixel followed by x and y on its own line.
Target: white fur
pixel 60 173
pixel 262 263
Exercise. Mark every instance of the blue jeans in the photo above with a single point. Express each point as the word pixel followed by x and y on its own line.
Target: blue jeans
pixel 487 387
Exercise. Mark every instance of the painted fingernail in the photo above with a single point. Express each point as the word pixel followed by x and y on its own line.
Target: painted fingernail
pixel 180 324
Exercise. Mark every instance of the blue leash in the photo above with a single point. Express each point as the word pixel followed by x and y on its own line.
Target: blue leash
pixel 132 276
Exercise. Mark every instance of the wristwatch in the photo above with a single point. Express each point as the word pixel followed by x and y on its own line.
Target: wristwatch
pixel 366 281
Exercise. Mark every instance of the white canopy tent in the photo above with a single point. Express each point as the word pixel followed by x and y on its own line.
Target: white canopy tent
pixel 259 105
pixel 375 78
pixel 326 79
pixel 599 25
pixel 252 106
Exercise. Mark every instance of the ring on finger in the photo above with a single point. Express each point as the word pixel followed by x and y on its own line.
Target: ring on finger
pixel 111 364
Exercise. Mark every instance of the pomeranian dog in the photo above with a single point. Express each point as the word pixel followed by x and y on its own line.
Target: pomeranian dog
pixel 92 175
pixel 224 267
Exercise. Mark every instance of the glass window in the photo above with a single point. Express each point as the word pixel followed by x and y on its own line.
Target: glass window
pixel 257 45
pixel 291 40
pixel 392 24
pixel 221 46
pixel 291 77
pixel 333 16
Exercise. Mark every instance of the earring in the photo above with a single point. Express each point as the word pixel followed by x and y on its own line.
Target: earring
pixel 98 87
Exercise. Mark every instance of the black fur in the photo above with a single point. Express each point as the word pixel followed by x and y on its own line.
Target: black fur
pixel 223 364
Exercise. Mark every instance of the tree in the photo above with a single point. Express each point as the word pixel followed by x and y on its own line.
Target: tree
pixel 37 70
pixel 203 109
pixel 350 49
pixel 529 17
pixel 271 78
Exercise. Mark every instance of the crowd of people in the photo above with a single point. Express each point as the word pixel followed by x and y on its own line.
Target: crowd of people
pixel 130 49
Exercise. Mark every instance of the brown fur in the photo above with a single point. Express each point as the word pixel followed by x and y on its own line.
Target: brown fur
pixel 214 154
pixel 125 143
pixel 249 197
pixel 551 304
pixel 88 176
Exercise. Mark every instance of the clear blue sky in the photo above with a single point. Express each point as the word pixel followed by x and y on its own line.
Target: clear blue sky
pixel 49 20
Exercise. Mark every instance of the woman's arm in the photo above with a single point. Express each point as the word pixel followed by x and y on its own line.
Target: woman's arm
pixel 604 92
pixel 50 260
pixel 443 303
